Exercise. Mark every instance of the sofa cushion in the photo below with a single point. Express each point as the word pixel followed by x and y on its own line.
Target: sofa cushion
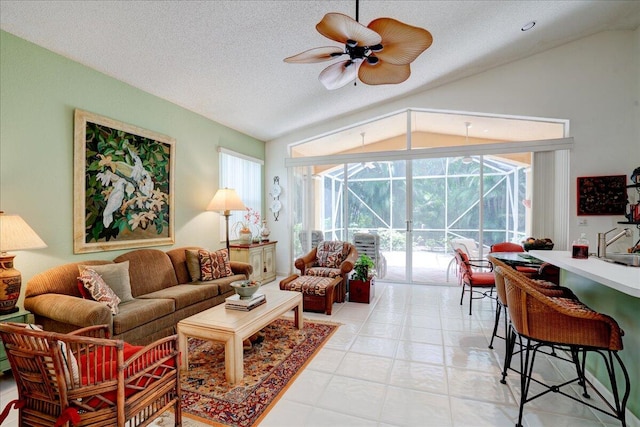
pixel 116 276
pixel 178 257
pixel 192 259
pixel 214 265
pixel 224 283
pixel 186 295
pixel 330 254
pixel 149 270
pixel 99 290
pixel 136 313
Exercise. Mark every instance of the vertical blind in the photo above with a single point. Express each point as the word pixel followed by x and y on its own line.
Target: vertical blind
pixel 244 175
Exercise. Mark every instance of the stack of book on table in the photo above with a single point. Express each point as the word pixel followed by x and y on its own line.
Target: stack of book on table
pixel 235 303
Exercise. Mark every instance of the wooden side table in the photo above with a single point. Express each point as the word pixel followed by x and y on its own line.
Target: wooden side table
pixel 20 316
pixel 360 291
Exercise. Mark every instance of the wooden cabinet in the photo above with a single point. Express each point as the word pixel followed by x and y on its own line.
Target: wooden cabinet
pixel 20 316
pixel 261 256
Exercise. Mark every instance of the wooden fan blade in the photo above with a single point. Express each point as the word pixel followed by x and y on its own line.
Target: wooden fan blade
pixel 339 74
pixel 340 28
pixel 318 54
pixel 402 43
pixel 383 73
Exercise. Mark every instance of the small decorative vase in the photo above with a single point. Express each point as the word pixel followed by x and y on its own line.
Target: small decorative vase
pixel 244 236
pixel 264 231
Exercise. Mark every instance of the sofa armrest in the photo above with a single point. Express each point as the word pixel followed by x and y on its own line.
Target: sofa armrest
pixel 241 268
pixel 70 310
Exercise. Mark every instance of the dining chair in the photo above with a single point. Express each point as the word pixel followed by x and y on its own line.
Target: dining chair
pixel 514 247
pixel 475 279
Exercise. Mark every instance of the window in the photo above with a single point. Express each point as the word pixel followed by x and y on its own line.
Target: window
pixel 243 174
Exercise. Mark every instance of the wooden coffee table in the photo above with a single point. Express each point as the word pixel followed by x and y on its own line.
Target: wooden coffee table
pixel 232 327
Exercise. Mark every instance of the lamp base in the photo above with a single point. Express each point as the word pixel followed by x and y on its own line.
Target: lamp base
pixel 10 283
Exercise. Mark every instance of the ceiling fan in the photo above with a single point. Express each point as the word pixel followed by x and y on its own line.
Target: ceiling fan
pixel 380 53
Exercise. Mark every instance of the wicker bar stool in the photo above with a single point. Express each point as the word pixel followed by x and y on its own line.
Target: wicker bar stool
pixel 539 321
pixel 548 289
pixel 545 286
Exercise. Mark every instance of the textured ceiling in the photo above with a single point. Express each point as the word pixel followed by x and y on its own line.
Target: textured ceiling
pixel 224 59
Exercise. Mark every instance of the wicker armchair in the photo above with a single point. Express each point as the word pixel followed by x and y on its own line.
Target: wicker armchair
pixel 330 259
pixel 83 378
pixel 539 320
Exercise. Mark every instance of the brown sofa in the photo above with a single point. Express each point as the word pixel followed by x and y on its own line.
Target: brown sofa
pixel 162 290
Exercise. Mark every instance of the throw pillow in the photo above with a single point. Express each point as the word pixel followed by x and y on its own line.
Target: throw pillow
pixel 70 361
pixel 214 265
pixel 330 254
pixel 116 276
pixel 193 264
pixel 99 290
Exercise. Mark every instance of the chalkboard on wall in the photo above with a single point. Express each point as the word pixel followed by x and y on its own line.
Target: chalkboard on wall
pixel 602 195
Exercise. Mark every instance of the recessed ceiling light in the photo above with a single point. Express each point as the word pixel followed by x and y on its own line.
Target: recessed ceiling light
pixel 528 26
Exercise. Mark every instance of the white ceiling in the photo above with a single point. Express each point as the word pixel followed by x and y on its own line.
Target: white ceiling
pixel 224 59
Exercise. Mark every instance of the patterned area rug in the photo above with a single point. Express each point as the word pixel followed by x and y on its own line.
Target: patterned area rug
pixel 269 367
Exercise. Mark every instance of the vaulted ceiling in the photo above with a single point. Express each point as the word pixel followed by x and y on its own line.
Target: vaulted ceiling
pixel 224 59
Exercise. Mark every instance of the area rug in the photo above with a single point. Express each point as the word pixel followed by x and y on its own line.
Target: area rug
pixel 269 367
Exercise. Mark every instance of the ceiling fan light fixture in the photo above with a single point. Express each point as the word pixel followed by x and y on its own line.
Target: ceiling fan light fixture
pixel 382 51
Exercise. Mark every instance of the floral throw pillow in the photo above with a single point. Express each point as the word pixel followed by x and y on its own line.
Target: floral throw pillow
pixel 214 265
pixel 330 254
pixel 99 290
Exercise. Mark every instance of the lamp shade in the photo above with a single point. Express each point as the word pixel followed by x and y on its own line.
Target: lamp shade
pixel 226 199
pixel 15 234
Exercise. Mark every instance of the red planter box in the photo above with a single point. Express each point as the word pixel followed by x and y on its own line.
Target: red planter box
pixel 360 291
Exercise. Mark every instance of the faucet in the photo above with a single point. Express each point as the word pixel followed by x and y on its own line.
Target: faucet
pixel 603 242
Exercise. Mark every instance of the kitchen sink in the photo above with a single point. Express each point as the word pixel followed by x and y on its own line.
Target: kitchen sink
pixel 626 259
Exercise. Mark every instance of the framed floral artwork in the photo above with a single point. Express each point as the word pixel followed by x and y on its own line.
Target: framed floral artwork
pixel 123 185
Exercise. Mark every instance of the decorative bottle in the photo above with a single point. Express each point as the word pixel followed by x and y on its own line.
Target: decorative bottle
pixel 264 231
pixel 580 247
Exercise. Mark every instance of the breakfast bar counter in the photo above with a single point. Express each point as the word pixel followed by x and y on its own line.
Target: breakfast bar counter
pixel 623 278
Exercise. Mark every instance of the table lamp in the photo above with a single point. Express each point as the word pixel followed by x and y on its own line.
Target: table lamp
pixel 15 235
pixel 226 200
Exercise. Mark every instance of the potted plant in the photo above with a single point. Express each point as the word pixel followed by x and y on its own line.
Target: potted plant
pixel 362 280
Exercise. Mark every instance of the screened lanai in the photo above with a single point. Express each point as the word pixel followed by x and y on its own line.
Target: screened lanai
pixel 417 188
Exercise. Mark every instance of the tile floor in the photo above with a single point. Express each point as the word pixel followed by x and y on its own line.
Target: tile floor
pixel 414 357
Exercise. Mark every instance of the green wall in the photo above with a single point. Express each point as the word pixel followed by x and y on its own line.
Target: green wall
pixel 624 309
pixel 39 91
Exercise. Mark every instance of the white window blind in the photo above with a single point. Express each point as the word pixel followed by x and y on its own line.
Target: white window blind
pixel 244 175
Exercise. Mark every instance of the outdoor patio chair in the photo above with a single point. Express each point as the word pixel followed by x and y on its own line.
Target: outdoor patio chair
pixel 83 378
pixel 369 244
pixel 316 237
pixel 514 247
pixel 477 279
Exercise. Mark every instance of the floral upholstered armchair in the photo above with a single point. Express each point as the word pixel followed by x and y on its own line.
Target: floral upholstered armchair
pixel 330 258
